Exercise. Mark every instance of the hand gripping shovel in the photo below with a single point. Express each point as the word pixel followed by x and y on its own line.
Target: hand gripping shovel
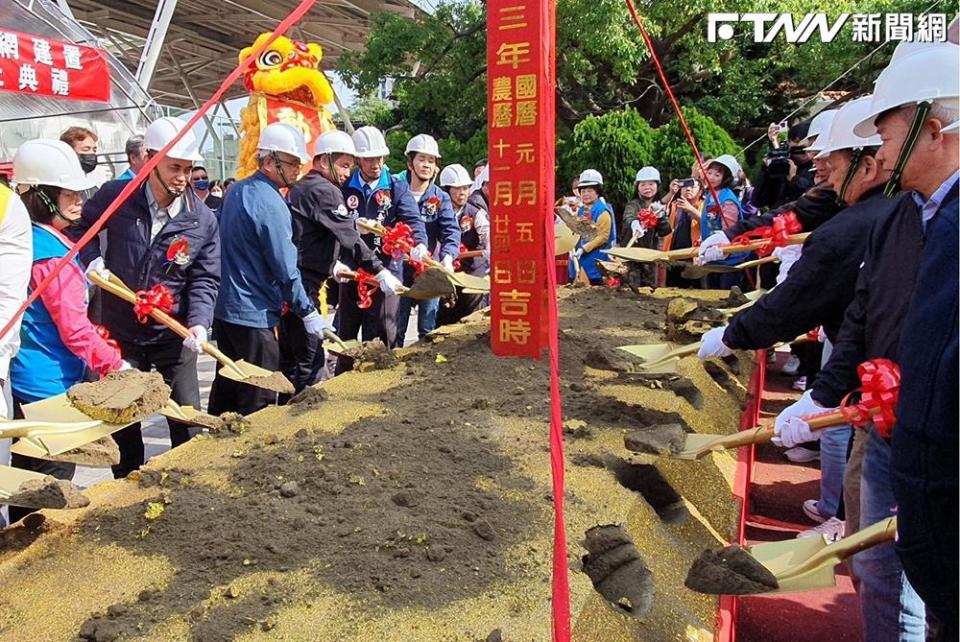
pixel 645 255
pixel 236 370
pixel 795 565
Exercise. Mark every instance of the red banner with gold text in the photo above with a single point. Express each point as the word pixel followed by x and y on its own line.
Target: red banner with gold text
pixel 41 66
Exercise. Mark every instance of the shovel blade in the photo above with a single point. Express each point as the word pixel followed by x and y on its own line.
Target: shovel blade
pixel 256 376
pixel 433 282
pixel 59 409
pixel 698 446
pixel 650 351
pixel 473 282
pixel 638 254
pixel 782 557
pixel 336 348
pixel 564 240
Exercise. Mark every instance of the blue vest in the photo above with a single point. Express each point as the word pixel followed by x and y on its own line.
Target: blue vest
pixel 43 367
pixel 710 223
pixel 589 260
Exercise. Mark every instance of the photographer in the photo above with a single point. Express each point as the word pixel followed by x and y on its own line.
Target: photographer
pixel 786 172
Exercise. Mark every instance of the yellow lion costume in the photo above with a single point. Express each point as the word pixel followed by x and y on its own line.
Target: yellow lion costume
pixel 286 84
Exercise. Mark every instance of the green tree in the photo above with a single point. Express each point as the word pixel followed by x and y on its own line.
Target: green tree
pixel 671 150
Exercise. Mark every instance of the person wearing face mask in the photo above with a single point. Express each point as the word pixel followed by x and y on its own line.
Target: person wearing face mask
pixel 443 231
pixel 260 273
pixel 372 194
pixel 161 235
pixel 84 143
pixel 58 342
pixel 216 189
pixel 200 183
pixel 328 244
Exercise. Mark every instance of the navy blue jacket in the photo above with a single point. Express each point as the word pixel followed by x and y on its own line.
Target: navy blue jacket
pixel 389 202
pixel 440 223
pixel 141 264
pixel 260 269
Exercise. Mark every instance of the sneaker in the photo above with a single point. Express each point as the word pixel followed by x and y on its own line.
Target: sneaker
pixel 831 530
pixel 801 455
pixel 791 366
pixel 800 384
pixel 811 508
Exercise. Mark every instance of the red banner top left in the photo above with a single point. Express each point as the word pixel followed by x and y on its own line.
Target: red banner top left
pixel 43 66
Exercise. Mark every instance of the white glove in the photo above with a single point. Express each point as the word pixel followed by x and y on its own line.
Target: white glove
pixel 365 221
pixel 97 265
pixel 389 284
pixel 637 229
pixel 710 248
pixel 124 365
pixel 712 345
pixel 339 272
pixel 198 336
pixel 316 324
pixel 577 253
pixel 790 429
pixel 420 253
pixel 447 263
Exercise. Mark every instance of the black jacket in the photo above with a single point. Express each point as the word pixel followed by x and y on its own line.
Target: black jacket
pixel 324 231
pixel 821 283
pixel 774 190
pixel 649 239
pixel 141 264
pixel 873 321
pixel 814 207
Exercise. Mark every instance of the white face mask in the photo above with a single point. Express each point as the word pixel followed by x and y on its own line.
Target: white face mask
pixel 216 192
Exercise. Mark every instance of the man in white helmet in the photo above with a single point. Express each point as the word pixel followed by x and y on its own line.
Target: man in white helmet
pixel 913 108
pixel 260 273
pixel 328 245
pixel 440 223
pixel 373 194
pixel 474 225
pixel 162 235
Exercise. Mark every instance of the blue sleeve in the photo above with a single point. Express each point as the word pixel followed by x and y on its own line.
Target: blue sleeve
pixel 449 228
pixel 406 210
pixel 274 226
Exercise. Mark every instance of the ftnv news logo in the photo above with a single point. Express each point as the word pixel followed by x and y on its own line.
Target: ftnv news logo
pixel 864 27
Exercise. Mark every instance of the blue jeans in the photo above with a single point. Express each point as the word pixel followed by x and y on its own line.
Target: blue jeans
pixel 834 444
pixel 892 611
pixel 426 317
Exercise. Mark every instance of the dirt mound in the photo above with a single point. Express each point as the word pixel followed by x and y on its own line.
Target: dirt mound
pixel 729 571
pixel 121 397
pixel 48 492
pixel 371 355
pixel 687 320
pixel 617 571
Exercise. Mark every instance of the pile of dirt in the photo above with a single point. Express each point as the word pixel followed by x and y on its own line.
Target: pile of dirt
pixel 121 397
pixel 729 571
pixel 275 382
pixel 617 571
pixel 48 492
pixel 687 320
pixel 371 355
pixel 658 439
pixel 98 454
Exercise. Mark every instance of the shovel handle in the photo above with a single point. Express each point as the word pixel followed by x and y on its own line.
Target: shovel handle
pixel 690 252
pixel 879 533
pixel 470 254
pixel 118 288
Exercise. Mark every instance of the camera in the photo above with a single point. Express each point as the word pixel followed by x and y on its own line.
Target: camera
pixel 778 163
pixel 686 182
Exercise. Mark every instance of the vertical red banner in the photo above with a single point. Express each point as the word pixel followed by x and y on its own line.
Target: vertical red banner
pixel 520 119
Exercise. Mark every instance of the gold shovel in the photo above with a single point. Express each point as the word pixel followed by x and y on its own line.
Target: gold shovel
pixel 37 432
pixel 791 566
pixel 655 354
pixel 90 446
pixel 564 240
pixel 646 255
pixel 698 271
pixel 235 370
pixel 29 489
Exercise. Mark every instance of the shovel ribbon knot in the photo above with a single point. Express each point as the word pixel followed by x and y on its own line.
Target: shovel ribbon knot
pixel 156 298
pixel 397 240
pixel 367 284
pixel 774 235
pixel 648 219
pixel 878 396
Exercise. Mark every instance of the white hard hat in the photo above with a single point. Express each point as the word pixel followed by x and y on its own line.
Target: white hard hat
pixel 729 162
pixel 648 174
pixel 819 128
pixel 160 132
pixel 842 133
pixel 922 72
pixel 335 142
pixel 370 143
pixel 283 137
pixel 423 144
pixel 484 176
pixel 590 178
pixel 455 176
pixel 44 161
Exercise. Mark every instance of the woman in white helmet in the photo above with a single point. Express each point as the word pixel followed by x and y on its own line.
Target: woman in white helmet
pixel 644 219
pixel 595 210
pixel 59 343
pixel 720 214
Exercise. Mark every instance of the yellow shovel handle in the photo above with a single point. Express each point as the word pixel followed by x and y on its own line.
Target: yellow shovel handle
pixel 879 533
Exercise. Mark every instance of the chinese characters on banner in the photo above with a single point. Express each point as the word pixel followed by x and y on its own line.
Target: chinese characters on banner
pixel 520 120
pixel 45 67
pixel 305 118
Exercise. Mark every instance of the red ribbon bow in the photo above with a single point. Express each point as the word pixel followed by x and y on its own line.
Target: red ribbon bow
pixel 367 284
pixel 456 262
pixel 105 335
pixel 878 396
pixel 648 219
pixel 398 241
pixel 774 235
pixel 156 298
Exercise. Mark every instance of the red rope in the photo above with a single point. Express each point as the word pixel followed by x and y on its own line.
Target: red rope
pixel 151 163
pixel 676 106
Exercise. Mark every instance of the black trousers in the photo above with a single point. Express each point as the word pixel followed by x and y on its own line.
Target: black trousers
pixel 58 469
pixel 258 346
pixel 464 305
pixel 379 321
pixel 301 353
pixel 178 366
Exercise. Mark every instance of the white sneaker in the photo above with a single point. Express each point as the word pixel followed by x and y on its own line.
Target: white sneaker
pixel 791 366
pixel 831 530
pixel 800 384
pixel 801 455
pixel 811 508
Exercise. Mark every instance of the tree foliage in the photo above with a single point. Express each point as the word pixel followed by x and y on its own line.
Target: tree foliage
pixel 672 151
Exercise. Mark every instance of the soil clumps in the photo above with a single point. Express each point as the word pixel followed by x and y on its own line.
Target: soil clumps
pixel 659 439
pixel 48 492
pixel 729 571
pixel 121 397
pixel 99 454
pixel 617 570
pixel 371 355
pixel 687 320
